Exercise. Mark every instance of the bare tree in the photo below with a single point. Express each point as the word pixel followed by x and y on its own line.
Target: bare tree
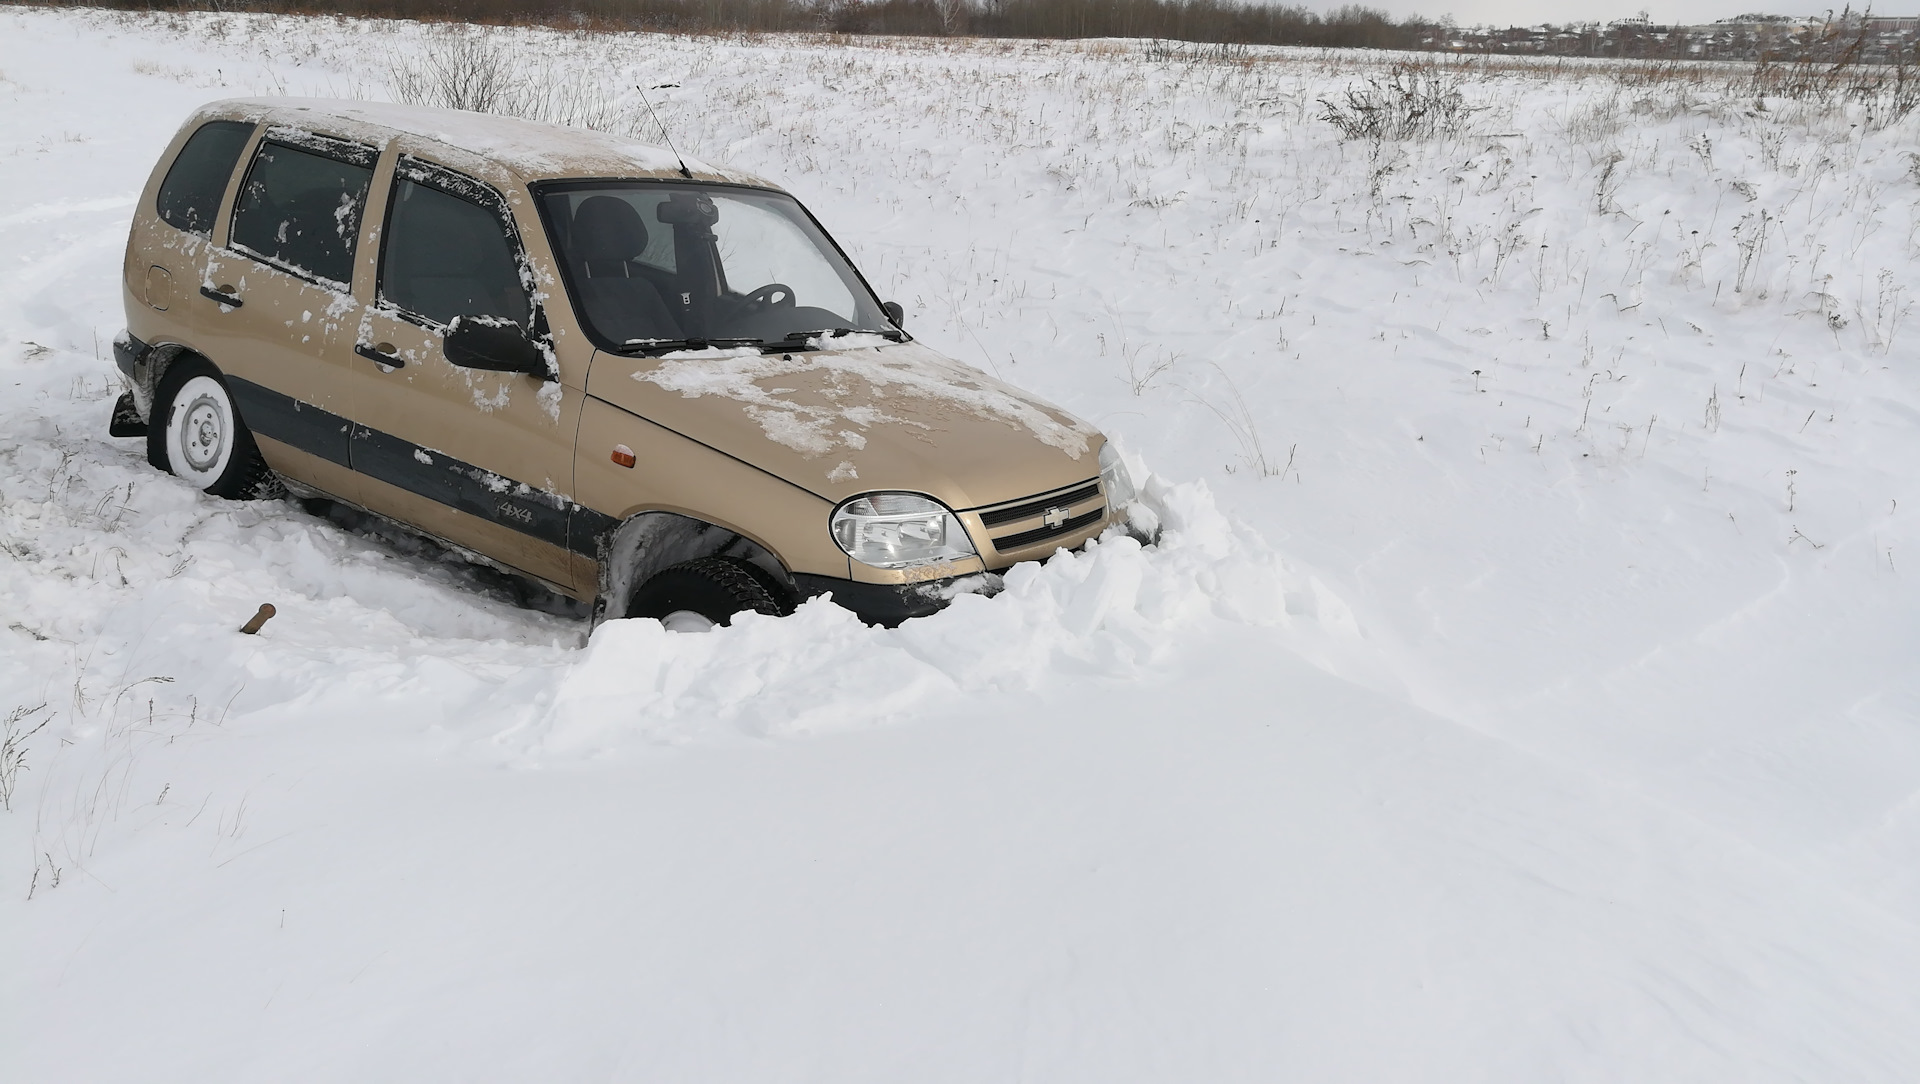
pixel 953 15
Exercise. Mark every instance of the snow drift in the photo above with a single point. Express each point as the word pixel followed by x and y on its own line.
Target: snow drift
pixel 1522 685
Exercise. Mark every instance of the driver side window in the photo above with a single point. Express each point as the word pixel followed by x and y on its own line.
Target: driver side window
pixel 447 256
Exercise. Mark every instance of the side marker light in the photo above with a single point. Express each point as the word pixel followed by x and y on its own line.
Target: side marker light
pixel 623 455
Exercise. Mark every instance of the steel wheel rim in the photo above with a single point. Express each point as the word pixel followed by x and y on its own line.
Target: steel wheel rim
pixel 203 433
pixel 202 430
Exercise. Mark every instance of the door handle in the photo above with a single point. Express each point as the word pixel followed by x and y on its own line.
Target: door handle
pixel 224 295
pixel 385 357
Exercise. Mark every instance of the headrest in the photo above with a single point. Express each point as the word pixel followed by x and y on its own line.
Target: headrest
pixel 607 228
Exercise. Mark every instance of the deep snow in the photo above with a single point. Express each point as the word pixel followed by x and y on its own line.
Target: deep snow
pixel 1522 688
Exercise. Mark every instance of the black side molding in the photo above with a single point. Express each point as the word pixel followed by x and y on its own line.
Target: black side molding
pixel 290 421
pixel 439 477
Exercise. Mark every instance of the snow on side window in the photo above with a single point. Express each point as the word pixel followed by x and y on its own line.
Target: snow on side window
pixel 301 210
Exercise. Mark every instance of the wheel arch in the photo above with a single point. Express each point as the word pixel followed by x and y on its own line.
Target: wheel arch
pixel 151 369
pixel 646 543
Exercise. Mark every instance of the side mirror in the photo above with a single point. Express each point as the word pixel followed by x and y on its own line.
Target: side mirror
pixel 895 313
pixel 488 342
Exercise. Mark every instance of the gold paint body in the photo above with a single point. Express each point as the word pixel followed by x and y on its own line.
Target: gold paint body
pixel 706 456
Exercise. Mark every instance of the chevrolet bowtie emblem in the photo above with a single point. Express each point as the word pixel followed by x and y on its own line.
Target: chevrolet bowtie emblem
pixel 1055 518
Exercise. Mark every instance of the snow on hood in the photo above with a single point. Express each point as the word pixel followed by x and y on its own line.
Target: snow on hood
pixel 910 380
pixel 876 415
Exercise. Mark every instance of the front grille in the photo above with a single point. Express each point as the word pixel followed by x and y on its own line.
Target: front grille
pixel 1030 513
pixel 1041 534
pixel 1030 509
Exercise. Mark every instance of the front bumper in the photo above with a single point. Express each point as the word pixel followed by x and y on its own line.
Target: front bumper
pixel 889 604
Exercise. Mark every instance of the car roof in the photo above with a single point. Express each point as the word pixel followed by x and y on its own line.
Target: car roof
pixel 480 143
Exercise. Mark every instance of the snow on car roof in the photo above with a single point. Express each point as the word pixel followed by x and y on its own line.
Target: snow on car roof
pixel 530 149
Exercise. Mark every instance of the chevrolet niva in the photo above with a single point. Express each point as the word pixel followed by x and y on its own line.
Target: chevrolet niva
pixel 652 384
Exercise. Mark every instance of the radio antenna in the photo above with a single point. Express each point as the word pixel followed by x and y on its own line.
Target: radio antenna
pixel 684 171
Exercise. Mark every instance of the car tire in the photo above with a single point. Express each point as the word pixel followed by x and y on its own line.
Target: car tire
pixel 712 589
pixel 196 434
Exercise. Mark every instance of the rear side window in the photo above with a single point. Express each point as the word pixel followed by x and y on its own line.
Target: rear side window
pixel 447 256
pixel 190 196
pixel 300 207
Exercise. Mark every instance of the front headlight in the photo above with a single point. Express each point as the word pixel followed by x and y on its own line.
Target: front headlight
pixel 899 530
pixel 1114 478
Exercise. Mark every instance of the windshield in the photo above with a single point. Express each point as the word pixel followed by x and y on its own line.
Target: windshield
pixel 661 266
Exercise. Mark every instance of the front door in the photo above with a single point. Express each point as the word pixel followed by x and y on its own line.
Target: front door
pixel 274 308
pixel 482 459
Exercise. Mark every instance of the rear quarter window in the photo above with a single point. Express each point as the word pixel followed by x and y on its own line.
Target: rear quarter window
pixel 196 182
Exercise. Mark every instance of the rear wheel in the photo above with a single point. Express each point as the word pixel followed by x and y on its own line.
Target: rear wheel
pixel 196 434
pixel 696 595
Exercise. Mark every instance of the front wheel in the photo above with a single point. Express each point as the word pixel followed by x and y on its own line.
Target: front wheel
pixel 696 595
pixel 197 435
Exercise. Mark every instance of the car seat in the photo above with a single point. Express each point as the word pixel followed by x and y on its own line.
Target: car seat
pixel 607 236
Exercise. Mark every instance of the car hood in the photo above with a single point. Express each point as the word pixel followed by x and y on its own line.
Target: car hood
pixel 867 415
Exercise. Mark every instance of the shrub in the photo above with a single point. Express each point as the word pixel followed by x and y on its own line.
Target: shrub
pixel 1412 101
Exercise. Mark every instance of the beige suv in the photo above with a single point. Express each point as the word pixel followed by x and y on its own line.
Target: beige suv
pixel 653 384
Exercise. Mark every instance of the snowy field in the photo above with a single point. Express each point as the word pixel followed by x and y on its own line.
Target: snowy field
pixel 1524 688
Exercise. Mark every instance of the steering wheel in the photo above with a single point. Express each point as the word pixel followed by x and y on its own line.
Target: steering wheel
pixel 774 295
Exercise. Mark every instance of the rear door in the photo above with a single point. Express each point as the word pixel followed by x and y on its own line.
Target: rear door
pixel 482 459
pixel 274 306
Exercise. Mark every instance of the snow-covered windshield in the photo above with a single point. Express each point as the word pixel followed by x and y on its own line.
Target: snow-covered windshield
pixel 658 266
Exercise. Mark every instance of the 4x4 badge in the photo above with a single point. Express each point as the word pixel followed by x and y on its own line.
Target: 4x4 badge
pixel 1055 518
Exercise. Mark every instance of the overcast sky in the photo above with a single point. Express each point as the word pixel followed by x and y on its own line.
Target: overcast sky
pixel 1520 13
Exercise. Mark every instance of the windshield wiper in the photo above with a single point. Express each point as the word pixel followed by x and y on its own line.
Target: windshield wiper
pixel 667 346
pixel 798 340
